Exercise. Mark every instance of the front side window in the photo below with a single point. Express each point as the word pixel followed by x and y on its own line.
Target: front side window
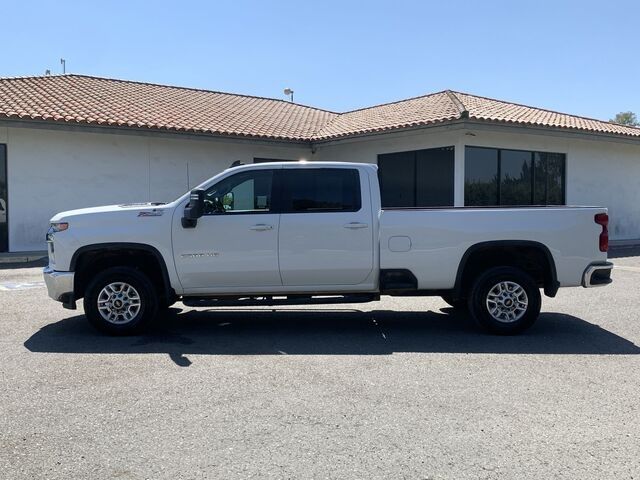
pixel 244 192
pixel 320 190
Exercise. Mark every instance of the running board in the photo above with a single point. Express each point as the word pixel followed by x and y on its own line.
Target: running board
pixel 275 300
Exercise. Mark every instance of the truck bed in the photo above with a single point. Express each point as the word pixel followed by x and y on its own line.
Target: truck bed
pixel 432 242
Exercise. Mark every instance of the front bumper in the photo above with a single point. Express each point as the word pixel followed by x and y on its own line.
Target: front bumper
pixel 597 275
pixel 60 286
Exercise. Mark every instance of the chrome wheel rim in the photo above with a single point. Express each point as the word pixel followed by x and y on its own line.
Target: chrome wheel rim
pixel 119 303
pixel 507 302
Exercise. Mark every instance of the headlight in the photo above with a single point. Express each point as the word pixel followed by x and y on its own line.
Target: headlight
pixel 58 227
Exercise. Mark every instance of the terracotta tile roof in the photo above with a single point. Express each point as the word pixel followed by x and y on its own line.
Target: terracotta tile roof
pixel 91 100
pixel 81 99
pixel 430 109
pixel 449 106
pixel 481 108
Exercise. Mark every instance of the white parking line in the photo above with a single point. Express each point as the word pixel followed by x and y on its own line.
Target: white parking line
pixel 10 286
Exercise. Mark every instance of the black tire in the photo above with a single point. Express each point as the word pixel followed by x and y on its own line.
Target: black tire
pixel 486 292
pixel 142 293
pixel 460 304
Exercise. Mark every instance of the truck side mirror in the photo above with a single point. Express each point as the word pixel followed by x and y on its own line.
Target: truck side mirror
pixel 194 209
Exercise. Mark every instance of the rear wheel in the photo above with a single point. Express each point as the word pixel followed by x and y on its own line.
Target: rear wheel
pixel 505 300
pixel 120 301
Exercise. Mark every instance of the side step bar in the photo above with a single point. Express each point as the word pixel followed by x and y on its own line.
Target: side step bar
pixel 274 300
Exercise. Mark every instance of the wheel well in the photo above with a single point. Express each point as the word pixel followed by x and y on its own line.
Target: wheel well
pixel 533 258
pixel 87 264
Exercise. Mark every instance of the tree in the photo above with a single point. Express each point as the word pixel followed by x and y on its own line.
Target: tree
pixel 626 118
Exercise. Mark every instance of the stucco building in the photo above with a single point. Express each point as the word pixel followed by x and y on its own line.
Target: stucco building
pixel 74 141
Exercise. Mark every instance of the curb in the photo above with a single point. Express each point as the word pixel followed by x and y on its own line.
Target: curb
pixel 21 257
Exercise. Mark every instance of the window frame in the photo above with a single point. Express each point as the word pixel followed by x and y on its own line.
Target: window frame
pixel 280 192
pixel 531 153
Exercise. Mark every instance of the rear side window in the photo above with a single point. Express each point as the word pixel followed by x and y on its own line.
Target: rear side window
pixel 320 190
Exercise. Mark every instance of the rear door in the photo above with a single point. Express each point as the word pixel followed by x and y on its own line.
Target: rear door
pixel 326 227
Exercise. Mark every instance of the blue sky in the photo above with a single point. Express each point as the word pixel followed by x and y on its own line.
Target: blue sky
pixel 578 57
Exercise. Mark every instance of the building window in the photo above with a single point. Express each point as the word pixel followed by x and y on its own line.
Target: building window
pixel 513 177
pixel 419 178
pixel 265 160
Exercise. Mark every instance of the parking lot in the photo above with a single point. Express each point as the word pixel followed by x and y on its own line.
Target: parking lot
pixel 402 388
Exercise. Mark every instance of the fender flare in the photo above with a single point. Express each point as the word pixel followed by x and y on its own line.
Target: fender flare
pixel 168 290
pixel 550 288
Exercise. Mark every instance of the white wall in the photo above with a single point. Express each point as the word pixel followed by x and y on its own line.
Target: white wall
pixel 367 149
pixel 601 173
pixel 52 170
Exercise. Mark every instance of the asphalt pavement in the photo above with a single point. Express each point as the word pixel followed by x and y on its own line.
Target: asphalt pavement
pixel 402 388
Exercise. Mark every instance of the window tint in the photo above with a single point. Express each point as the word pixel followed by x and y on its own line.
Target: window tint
pixel 513 177
pixel 397 173
pixel 481 176
pixel 244 192
pixel 418 178
pixel 264 160
pixel 549 178
pixel 320 190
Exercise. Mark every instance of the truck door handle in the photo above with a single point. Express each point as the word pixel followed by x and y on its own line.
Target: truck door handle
pixel 355 225
pixel 261 227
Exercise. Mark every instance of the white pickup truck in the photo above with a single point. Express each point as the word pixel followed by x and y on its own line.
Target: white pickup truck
pixel 292 233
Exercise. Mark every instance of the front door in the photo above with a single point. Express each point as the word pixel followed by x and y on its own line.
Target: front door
pixel 4 207
pixel 326 228
pixel 234 246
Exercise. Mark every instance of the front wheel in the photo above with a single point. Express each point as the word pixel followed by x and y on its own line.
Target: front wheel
pixel 505 300
pixel 120 301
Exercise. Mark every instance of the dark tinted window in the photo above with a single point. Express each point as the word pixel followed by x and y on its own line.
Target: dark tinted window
pixel 513 177
pixel 244 192
pixel 264 160
pixel 418 178
pixel 481 176
pixel 320 190
pixel 549 178
pixel 397 173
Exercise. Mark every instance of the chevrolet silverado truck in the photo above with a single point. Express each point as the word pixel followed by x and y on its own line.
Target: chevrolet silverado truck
pixel 294 233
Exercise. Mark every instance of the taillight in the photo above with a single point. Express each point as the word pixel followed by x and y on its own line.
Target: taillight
pixel 603 220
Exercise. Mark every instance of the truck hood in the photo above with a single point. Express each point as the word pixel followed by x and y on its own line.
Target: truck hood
pixel 149 209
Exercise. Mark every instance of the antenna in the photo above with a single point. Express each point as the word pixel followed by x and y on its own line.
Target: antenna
pixel 289 92
pixel 63 62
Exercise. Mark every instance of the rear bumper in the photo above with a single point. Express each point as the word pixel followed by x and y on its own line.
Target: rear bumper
pixel 597 275
pixel 60 286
